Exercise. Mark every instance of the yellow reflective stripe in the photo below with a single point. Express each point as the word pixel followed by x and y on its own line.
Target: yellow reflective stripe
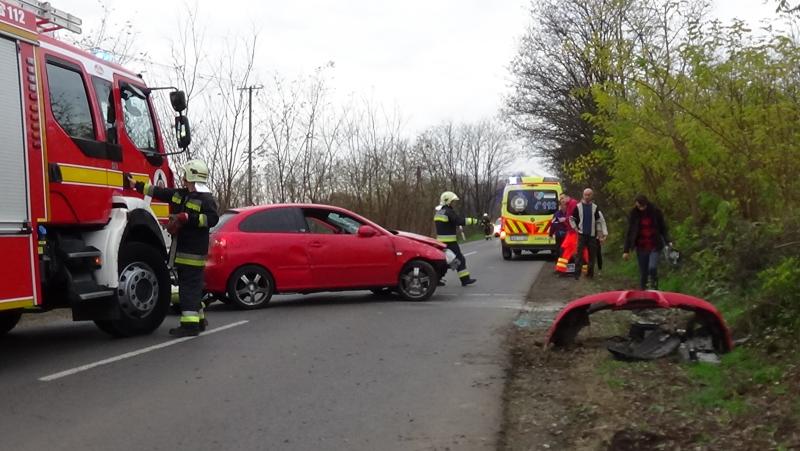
pixel 194 205
pixel 439 218
pixel 511 226
pixel 447 238
pixel 16 304
pixel 190 318
pixel 88 176
pixel 177 199
pixel 190 259
pixel 148 189
pixel 202 221
pixel 471 221
pixel 160 210
pixel 463 274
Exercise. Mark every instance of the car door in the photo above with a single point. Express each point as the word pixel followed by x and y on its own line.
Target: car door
pixel 340 258
pixel 275 238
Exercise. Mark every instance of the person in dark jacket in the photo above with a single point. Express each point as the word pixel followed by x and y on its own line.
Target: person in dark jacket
pixel 588 221
pixel 647 233
pixel 196 213
pixel 447 222
pixel 559 225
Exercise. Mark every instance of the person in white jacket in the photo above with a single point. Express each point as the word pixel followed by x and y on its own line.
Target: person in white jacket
pixel 588 221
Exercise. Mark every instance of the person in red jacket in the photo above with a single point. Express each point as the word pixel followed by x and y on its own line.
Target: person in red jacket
pixel 648 234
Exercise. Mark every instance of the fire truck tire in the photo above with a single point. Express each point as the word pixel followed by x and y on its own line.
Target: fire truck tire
pixel 143 296
pixel 8 320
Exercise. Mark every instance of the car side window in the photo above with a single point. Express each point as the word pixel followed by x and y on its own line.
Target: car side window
pixel 274 220
pixel 330 222
pixel 69 101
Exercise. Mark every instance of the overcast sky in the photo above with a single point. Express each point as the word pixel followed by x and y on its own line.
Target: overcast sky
pixel 435 60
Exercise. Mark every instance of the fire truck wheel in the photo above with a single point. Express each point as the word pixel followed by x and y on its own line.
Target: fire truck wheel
pixel 143 295
pixel 8 320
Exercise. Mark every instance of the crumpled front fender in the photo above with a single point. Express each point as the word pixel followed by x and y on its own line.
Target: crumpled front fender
pixel 575 315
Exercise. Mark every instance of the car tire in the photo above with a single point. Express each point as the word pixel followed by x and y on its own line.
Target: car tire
pixel 506 252
pixel 9 320
pixel 417 281
pixel 250 287
pixel 143 296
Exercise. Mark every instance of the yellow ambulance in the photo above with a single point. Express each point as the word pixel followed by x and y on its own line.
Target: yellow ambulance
pixel 527 210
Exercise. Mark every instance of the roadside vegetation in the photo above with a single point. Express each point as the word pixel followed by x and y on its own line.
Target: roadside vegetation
pixel 654 97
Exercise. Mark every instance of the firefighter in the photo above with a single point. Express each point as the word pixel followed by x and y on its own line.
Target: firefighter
pixel 488 228
pixel 447 222
pixel 189 227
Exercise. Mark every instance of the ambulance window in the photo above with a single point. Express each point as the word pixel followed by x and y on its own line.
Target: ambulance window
pixel 105 98
pixel 69 101
pixel 138 121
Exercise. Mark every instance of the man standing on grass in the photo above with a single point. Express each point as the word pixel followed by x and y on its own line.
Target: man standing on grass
pixel 588 221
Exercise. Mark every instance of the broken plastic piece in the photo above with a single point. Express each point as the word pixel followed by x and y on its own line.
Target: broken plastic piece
pixel 575 315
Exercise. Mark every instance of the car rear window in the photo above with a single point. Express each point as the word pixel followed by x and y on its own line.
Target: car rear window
pixel 532 202
pixel 223 219
pixel 274 220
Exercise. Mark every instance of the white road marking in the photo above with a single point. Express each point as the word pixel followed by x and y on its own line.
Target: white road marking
pixel 470 253
pixel 128 355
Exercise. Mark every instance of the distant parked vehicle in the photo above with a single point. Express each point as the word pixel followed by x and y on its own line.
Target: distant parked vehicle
pixel 302 248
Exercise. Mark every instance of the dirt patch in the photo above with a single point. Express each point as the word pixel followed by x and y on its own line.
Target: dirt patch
pixel 582 399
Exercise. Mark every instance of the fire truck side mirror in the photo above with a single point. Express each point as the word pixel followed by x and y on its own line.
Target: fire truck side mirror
pixel 178 100
pixel 183 132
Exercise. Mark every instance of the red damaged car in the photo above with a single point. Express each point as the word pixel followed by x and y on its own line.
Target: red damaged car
pixel 297 248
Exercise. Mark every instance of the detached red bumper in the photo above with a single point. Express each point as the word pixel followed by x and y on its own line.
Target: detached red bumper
pixel 576 314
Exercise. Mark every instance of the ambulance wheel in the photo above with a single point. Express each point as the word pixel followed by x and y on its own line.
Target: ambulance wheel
pixel 143 296
pixel 9 320
pixel 506 252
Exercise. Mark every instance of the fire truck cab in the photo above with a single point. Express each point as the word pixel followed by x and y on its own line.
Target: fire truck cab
pixel 71 127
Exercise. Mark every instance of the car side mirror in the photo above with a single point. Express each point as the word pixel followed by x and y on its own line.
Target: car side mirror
pixel 366 231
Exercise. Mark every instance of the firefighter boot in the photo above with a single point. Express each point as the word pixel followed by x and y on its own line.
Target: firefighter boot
pixel 467 281
pixel 186 330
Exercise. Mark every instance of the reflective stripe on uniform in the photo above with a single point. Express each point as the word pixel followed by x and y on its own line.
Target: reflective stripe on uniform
pixel 190 259
pixel 194 205
pixel 148 189
pixel 177 199
pixel 463 274
pixel 440 217
pixel 447 238
pixel 190 317
pixel 202 220
pixel 471 221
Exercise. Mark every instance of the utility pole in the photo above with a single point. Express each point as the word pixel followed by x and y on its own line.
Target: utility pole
pixel 250 90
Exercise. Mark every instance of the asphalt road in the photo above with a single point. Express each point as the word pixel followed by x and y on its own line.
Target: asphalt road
pixel 335 371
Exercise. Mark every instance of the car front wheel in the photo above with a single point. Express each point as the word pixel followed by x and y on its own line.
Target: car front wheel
pixel 417 281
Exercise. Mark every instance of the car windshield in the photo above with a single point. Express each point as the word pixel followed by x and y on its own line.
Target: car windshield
pixel 532 202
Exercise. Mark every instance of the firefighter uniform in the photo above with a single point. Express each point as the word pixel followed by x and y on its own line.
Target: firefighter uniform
pixel 447 222
pixel 194 214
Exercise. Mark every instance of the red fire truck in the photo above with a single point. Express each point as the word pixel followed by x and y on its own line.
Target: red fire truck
pixel 71 126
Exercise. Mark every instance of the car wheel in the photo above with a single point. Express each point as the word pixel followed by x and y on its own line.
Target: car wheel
pixel 9 320
pixel 506 252
pixel 417 281
pixel 250 287
pixel 143 294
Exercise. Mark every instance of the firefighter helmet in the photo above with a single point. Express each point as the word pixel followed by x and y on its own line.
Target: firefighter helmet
pixel 195 171
pixel 447 197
